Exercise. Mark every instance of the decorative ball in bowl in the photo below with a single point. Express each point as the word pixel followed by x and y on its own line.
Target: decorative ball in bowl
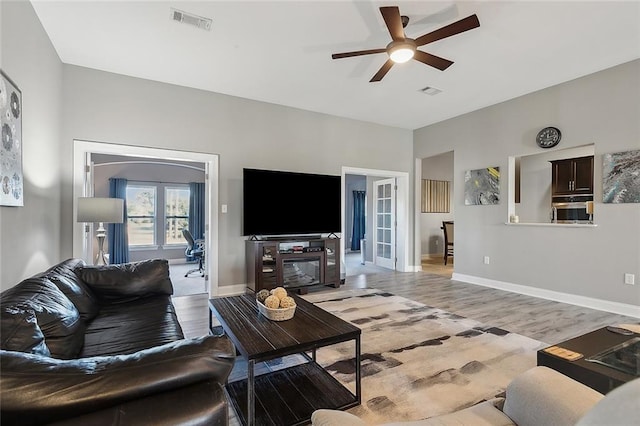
pixel 276 305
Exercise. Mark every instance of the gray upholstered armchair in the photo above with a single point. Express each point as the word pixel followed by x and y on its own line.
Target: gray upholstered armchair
pixel 538 397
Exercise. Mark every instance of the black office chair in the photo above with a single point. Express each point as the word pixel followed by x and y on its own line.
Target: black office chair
pixel 195 249
pixel 447 227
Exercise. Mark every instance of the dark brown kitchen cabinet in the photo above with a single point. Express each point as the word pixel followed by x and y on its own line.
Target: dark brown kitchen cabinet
pixel 572 176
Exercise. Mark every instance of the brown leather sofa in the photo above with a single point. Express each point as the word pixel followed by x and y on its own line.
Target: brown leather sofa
pixel 99 345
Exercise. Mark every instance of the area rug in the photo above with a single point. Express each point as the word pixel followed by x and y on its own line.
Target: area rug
pixel 419 361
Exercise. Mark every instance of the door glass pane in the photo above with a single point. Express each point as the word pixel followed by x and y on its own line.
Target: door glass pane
pixel 387 206
pixel 387 221
pixel 387 252
pixel 379 237
pixel 380 206
pixel 380 191
pixel 387 190
pixel 387 237
pixel 380 250
pixel 380 221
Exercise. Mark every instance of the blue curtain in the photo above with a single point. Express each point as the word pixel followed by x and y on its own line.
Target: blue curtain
pixel 117 236
pixel 196 209
pixel 358 219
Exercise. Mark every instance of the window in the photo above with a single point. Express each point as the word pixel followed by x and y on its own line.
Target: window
pixel 141 214
pixel 157 213
pixel 176 214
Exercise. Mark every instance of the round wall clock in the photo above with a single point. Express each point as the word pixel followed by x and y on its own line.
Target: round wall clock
pixel 548 137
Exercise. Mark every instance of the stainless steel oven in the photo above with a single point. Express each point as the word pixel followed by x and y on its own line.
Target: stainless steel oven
pixel 571 209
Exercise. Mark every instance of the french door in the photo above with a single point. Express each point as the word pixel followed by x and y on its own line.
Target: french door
pixel 385 223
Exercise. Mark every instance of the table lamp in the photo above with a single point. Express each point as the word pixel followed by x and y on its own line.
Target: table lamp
pixel 100 210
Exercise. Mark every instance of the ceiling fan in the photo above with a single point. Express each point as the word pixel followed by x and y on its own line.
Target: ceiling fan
pixel 402 49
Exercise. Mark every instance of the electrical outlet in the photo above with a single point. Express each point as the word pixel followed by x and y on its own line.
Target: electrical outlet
pixel 224 208
pixel 630 279
pixel 486 260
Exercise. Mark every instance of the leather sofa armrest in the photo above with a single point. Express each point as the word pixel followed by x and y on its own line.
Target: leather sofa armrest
pixel 542 396
pixel 36 389
pixel 202 404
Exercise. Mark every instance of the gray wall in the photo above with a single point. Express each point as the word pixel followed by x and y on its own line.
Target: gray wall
pixel 438 167
pixel 106 107
pixel 30 235
pixel 602 108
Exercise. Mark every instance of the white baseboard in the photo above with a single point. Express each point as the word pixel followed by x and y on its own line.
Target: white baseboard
pixel 572 299
pixel 231 290
pixel 414 268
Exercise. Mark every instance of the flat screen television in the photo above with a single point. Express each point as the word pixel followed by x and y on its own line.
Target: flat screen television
pixel 288 203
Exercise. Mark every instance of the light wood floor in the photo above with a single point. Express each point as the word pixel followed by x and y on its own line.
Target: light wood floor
pixel 434 264
pixel 543 320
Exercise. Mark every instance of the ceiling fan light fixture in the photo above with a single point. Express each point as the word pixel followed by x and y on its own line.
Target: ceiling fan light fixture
pixel 402 51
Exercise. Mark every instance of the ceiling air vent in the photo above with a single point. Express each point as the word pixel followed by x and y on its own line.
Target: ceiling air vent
pixel 432 91
pixel 191 19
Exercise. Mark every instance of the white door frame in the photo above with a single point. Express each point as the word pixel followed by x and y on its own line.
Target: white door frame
pixel 82 149
pixel 402 212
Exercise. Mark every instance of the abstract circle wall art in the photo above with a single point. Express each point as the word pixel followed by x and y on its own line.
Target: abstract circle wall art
pixel 11 178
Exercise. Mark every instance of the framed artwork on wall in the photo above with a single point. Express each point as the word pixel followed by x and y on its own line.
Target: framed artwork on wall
pixel 482 186
pixel 11 178
pixel 621 177
pixel 435 196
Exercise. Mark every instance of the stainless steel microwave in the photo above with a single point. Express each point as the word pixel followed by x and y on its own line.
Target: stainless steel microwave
pixel 571 209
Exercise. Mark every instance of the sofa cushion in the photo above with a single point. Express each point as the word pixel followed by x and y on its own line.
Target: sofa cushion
pixel 123 328
pixel 56 315
pixel 486 413
pixel 63 275
pixel 128 281
pixel 533 398
pixel 19 331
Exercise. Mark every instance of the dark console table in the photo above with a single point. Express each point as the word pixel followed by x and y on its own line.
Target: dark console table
pixel 597 376
pixel 275 263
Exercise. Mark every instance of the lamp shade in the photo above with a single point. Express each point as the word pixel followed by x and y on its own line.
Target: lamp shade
pixel 105 210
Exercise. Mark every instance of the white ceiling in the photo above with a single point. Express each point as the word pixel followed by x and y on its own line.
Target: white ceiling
pixel 280 52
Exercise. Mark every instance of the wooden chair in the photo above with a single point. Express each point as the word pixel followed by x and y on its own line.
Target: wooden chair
pixel 447 227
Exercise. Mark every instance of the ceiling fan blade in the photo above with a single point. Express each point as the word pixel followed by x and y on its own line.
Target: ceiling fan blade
pixel 382 71
pixel 466 24
pixel 357 53
pixel 432 60
pixel 391 15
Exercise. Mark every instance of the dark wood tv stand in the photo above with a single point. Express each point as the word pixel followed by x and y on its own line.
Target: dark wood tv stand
pixel 275 263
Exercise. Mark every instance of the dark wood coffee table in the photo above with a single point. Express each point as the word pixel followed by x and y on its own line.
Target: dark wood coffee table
pixel 596 376
pixel 290 395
